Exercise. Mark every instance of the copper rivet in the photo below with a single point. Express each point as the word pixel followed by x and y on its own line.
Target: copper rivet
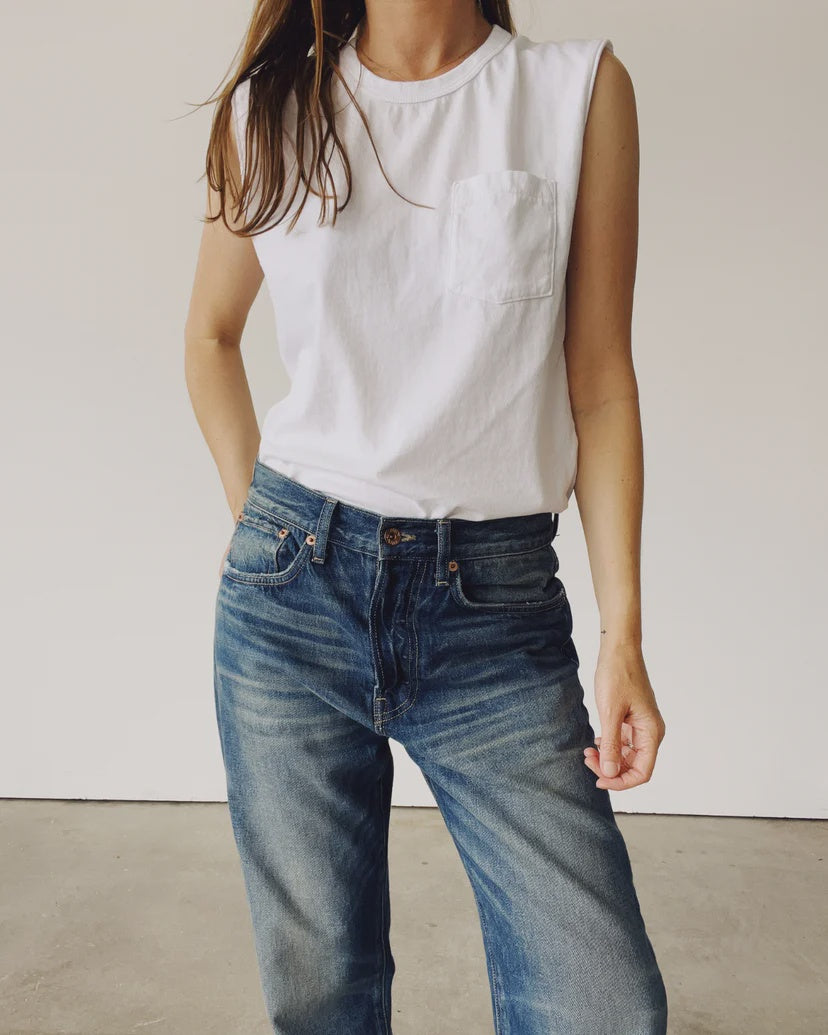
pixel 283 532
pixel 310 538
pixel 452 565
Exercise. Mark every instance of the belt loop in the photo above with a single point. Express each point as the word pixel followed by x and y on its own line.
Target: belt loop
pixel 320 542
pixel 443 550
pixel 554 525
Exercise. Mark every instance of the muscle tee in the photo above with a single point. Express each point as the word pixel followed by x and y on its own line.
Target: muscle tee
pixel 424 342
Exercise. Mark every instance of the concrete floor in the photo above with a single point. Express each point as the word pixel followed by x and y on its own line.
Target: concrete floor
pixel 121 918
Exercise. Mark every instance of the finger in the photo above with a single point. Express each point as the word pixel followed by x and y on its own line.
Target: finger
pixel 592 758
pixel 645 758
pixel 620 783
pixel 638 771
pixel 610 746
pixel 626 730
pixel 626 750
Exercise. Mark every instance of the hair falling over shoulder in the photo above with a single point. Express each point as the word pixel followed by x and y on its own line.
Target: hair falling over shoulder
pixel 291 46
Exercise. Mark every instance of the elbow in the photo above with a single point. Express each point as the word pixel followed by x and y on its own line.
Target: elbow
pixel 592 392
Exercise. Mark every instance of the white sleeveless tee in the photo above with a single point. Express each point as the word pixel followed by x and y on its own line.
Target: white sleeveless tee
pixel 424 342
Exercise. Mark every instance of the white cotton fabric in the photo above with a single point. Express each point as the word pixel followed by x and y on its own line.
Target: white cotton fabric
pixel 424 342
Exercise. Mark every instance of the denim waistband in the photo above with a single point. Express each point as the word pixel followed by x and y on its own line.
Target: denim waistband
pixel 332 520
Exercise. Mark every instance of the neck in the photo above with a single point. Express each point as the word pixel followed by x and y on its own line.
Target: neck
pixel 411 38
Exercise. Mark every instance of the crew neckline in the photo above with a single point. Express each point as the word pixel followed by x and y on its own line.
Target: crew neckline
pixel 362 78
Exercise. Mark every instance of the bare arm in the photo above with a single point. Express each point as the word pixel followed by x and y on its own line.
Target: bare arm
pixel 227 280
pixel 604 396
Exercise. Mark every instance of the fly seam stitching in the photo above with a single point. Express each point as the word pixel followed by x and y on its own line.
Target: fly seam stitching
pixel 413 651
pixel 375 651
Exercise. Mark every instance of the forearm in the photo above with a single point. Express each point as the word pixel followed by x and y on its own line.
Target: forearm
pixel 609 490
pixel 220 396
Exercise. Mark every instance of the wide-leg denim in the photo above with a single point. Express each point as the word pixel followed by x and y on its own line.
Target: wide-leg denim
pixel 337 628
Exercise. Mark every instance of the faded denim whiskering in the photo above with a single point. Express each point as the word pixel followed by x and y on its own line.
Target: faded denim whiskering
pixel 337 628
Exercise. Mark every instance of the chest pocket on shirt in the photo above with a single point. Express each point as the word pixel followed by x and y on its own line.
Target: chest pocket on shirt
pixel 502 236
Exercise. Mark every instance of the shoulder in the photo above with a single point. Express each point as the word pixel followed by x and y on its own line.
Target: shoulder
pixel 569 70
pixel 610 146
pixel 611 105
pixel 576 57
pixel 588 73
pixel 609 73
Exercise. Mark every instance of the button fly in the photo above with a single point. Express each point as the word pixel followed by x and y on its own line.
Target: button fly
pixel 392 536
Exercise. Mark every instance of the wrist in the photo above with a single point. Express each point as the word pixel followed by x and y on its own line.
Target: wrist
pixel 625 638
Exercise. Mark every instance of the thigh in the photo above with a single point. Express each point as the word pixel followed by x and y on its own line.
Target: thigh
pixel 309 793
pixel 500 742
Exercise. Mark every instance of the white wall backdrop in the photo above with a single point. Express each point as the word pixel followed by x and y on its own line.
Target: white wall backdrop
pixel 114 520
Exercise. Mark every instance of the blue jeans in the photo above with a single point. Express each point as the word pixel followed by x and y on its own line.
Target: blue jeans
pixel 338 627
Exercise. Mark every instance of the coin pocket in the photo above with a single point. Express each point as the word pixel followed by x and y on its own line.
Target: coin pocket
pixel 266 549
pixel 515 583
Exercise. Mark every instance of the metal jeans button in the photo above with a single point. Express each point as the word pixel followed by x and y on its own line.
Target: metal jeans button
pixel 392 536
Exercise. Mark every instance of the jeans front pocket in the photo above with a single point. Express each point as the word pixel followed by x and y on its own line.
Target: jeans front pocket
pixel 502 236
pixel 509 583
pixel 265 549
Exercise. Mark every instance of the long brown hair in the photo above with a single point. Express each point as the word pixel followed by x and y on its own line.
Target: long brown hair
pixel 291 44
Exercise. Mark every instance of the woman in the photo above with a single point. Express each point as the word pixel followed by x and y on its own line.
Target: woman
pixel 451 263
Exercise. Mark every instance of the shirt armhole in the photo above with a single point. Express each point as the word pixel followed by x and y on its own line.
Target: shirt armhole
pixel 239 106
pixel 600 46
